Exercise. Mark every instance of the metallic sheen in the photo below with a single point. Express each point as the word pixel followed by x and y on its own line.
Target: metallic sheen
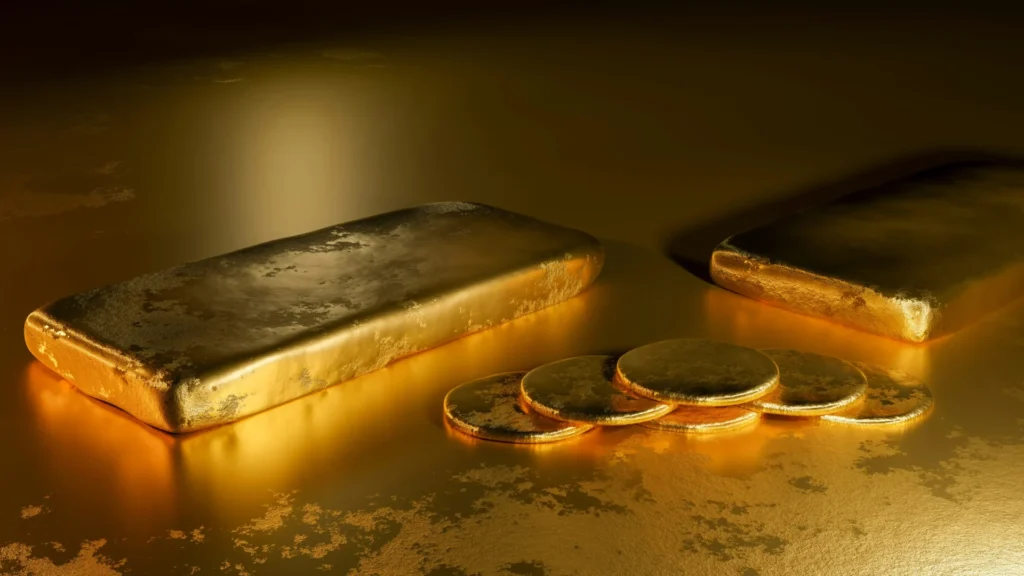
pixel 913 260
pixel 697 372
pixel 705 419
pixel 212 341
pixel 893 397
pixel 812 385
pixel 581 390
pixel 696 126
pixel 491 408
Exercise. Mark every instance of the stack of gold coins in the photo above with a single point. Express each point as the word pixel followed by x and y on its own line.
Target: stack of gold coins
pixel 683 385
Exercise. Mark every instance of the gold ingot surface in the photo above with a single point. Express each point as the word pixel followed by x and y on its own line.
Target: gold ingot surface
pixel 705 419
pixel 812 385
pixel 581 390
pixel 697 372
pixel 491 408
pixel 893 398
pixel 913 260
pixel 212 341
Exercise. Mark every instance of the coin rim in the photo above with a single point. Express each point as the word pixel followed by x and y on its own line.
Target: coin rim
pixel 483 433
pixel 753 419
pixel 917 413
pixel 654 413
pixel 690 400
pixel 819 409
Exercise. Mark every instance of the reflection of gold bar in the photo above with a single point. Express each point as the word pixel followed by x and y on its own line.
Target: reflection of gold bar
pixel 914 260
pixel 213 341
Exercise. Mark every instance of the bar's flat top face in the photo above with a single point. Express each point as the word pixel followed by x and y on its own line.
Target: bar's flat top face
pixel 632 137
pixel 232 307
pixel 925 237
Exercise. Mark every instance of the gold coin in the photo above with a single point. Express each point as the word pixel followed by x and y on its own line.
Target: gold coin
pixel 705 419
pixel 580 390
pixel 490 408
pixel 893 397
pixel 812 385
pixel 697 372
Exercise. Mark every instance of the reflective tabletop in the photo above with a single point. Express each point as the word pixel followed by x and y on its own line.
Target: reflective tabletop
pixel 659 140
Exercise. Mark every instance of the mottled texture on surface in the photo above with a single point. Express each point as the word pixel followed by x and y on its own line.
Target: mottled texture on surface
pixel 581 390
pixel 913 259
pixel 705 419
pixel 812 385
pixel 632 137
pixel 491 408
pixel 697 372
pixel 212 341
pixel 892 398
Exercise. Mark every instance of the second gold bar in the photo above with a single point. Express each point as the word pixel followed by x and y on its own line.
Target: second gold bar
pixel 913 260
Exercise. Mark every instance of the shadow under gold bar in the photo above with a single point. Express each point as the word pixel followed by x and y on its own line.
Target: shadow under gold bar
pixel 209 342
pixel 914 259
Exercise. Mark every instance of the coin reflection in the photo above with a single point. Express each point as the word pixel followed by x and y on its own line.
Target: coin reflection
pixel 705 419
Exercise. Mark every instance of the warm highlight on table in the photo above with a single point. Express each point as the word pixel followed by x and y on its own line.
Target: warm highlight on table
pixel 636 134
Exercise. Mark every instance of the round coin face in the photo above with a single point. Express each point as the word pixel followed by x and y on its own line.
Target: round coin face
pixel 697 372
pixel 490 408
pixel 705 419
pixel 893 397
pixel 581 390
pixel 812 385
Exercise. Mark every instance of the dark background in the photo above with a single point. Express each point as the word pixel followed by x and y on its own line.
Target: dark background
pixel 45 39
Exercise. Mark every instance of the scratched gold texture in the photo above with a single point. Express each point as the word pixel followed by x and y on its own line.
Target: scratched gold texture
pixel 631 132
pixel 209 342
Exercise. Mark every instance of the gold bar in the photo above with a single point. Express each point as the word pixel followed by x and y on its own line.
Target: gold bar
pixel 212 341
pixel 914 259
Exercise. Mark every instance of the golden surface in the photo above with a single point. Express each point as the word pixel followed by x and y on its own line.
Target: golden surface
pixel 705 419
pixel 913 259
pixel 893 397
pixel 209 342
pixel 581 390
pixel 812 385
pixel 490 408
pixel 634 135
pixel 697 372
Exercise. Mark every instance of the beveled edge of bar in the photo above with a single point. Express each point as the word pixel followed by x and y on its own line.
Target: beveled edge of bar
pixel 861 307
pixel 48 339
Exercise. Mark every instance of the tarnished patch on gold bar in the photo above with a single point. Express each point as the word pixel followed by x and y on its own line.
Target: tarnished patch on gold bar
pixel 912 260
pixel 212 341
